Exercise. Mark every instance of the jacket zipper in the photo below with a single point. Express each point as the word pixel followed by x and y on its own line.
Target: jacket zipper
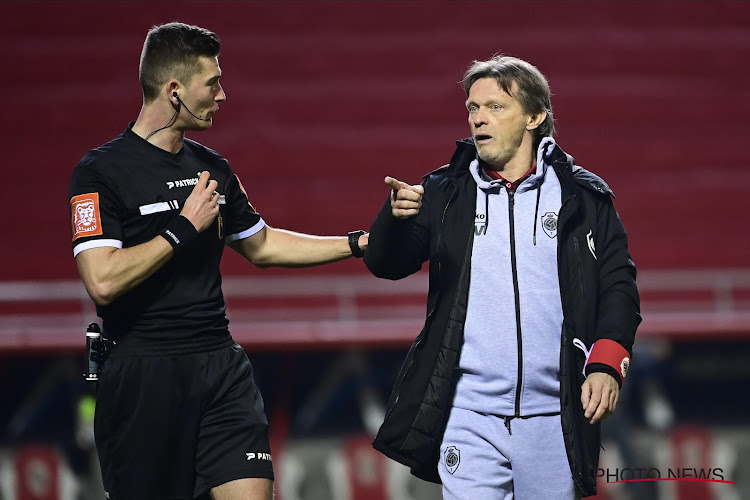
pixel 442 222
pixel 434 306
pixel 518 307
pixel 579 270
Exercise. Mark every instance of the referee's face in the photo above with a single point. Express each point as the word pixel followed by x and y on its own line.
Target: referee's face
pixel 203 95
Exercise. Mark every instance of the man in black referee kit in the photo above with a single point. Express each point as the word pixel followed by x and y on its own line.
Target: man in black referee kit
pixel 178 414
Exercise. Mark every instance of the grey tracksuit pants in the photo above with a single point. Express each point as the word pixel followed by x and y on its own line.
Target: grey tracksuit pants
pixel 480 459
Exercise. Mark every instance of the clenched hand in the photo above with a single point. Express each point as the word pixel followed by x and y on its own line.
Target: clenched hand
pixel 202 206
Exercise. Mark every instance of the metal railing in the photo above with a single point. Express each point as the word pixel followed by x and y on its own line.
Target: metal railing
pixel 721 304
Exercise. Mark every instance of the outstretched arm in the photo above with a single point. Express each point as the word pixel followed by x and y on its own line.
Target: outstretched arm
pixel 271 247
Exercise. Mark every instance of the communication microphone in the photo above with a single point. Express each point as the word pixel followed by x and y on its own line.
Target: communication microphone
pixel 174 94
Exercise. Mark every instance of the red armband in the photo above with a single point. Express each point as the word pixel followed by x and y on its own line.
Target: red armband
pixel 610 353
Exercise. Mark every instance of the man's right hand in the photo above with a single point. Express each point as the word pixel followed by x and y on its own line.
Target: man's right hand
pixel 406 199
pixel 202 206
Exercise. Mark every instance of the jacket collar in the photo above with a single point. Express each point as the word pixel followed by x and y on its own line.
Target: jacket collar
pixel 465 153
pixel 551 153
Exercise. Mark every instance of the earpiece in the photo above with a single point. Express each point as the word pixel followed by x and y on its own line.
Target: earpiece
pixel 176 96
pixel 176 111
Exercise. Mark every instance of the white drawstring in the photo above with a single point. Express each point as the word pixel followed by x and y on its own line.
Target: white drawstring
pixel 579 344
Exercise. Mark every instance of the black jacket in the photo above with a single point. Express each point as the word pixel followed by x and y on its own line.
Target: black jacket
pixel 599 300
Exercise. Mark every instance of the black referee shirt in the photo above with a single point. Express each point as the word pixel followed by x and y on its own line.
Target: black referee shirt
pixel 123 194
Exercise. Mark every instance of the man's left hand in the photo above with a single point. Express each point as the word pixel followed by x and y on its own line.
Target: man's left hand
pixel 599 395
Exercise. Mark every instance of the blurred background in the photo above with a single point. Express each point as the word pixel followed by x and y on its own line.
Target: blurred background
pixel 324 100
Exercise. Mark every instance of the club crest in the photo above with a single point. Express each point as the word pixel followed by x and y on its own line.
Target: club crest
pixel 624 365
pixel 549 224
pixel 452 458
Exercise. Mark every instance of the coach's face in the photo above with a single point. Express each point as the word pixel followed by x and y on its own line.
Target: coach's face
pixel 202 95
pixel 498 122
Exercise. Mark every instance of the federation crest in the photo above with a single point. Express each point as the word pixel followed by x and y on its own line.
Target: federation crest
pixel 86 217
pixel 452 458
pixel 549 224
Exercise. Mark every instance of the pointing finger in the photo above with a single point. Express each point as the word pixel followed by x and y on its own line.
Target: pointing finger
pixel 396 184
pixel 403 191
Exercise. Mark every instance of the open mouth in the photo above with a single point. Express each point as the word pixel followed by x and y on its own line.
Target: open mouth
pixel 480 138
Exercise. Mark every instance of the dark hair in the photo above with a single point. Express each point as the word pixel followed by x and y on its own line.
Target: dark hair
pixel 173 50
pixel 533 89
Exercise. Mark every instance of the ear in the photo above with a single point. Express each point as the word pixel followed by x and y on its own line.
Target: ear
pixel 170 88
pixel 535 120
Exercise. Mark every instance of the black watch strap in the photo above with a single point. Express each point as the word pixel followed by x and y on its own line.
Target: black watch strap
pixel 354 243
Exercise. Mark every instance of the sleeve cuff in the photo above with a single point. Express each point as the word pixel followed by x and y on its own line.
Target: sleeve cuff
pixel 610 354
pixel 247 232
pixel 86 245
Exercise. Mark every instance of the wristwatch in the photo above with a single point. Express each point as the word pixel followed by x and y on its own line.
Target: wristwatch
pixel 354 243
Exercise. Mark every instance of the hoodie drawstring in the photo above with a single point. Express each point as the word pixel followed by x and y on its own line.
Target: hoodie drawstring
pixel 536 210
pixel 487 210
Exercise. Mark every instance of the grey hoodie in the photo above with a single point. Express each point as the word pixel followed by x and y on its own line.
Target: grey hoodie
pixel 504 370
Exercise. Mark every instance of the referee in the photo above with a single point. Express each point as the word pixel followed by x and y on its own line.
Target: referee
pixel 178 413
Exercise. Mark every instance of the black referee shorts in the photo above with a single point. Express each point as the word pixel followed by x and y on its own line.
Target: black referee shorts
pixel 176 425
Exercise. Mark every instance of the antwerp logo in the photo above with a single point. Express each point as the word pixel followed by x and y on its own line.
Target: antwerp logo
pixel 549 224
pixel 452 458
pixel 84 210
pixel 624 365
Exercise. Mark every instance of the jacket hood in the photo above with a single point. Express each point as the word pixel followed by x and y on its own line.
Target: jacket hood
pixel 544 158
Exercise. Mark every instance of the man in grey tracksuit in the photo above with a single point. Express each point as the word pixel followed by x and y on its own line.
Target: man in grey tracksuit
pixel 532 305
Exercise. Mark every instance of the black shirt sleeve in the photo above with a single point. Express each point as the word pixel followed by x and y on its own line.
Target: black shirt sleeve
pixel 94 210
pixel 242 219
